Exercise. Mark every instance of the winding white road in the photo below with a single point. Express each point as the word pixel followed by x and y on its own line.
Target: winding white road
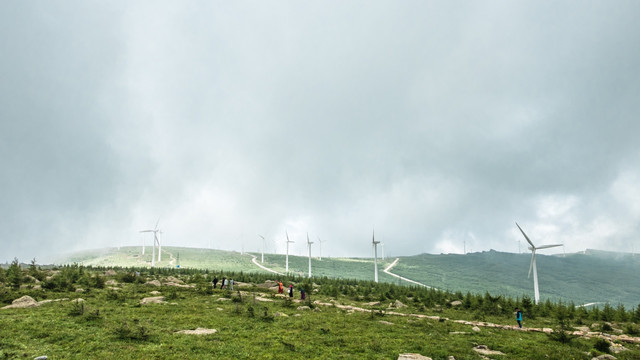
pixel 386 271
pixel 255 261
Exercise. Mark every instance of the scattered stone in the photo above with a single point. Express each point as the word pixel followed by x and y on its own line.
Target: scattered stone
pixel 79 290
pixel 111 282
pixel 78 300
pixel 220 309
pixel 413 357
pixel 174 280
pixel 279 314
pixel 154 283
pixel 297 315
pixel 22 302
pixel 155 292
pixel 171 283
pixel 476 329
pixel 373 303
pixel 198 331
pixel 547 330
pixel 43 357
pixel 604 357
pixel 451 358
pixel 484 350
pixel 223 299
pixel 110 272
pixel 304 308
pixel 459 333
pixel 153 300
pixel 385 322
pixel 617 348
pixel 260 298
pixel 397 304
pixel 456 303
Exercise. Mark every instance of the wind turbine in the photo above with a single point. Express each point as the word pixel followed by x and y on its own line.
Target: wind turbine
pixel 375 255
pixel 262 247
pixel 287 263
pixel 533 249
pixel 309 246
pixel 155 232
pixel 382 251
pixel 320 242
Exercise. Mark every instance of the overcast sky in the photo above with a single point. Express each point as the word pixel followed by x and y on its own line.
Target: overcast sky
pixel 439 124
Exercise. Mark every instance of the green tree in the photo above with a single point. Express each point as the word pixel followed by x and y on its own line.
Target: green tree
pixel 14 274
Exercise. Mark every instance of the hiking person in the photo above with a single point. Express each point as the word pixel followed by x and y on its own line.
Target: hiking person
pixel 215 281
pixel 519 317
pixel 231 284
pixel 280 287
pixel 224 282
pixel 302 294
pixel 291 290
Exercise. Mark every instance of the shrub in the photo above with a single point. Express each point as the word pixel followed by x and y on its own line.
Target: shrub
pixel 602 345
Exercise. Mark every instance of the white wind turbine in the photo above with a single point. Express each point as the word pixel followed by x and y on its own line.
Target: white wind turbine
pixel 155 232
pixel 263 240
pixel 309 246
pixel 533 249
pixel 320 242
pixel 375 255
pixel 287 262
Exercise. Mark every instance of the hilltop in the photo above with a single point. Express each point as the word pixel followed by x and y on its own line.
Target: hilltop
pixel 591 276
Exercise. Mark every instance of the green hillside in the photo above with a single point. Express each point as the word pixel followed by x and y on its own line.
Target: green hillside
pixel 595 276
pixel 592 277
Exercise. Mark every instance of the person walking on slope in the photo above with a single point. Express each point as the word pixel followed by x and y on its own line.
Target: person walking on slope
pixel 302 295
pixel 280 287
pixel 224 282
pixel 291 291
pixel 231 284
pixel 215 281
pixel 519 317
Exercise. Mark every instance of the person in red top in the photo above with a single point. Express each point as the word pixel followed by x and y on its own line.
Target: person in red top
pixel 280 287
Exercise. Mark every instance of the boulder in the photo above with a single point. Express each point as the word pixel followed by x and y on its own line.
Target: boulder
pixel 304 308
pixel 22 302
pixel 604 357
pixel 476 329
pixel 198 331
pixel 385 322
pixel 110 272
pixel 174 280
pixel 456 303
pixel 279 314
pixel 412 357
pixel 484 350
pixel 153 300
pixel 153 282
pixel 111 282
pixel 397 304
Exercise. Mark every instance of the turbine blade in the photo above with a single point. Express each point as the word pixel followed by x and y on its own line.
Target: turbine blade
pixel 525 236
pixel 157 222
pixel 548 246
pixel 533 259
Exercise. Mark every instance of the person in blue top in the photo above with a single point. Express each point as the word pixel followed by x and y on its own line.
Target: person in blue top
pixel 519 317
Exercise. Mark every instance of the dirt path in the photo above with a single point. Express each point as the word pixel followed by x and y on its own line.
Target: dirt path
pixel 255 261
pixel 387 271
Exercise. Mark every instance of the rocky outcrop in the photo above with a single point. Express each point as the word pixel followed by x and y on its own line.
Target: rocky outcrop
pixel 153 300
pixel 198 331
pixel 22 302
pixel 412 357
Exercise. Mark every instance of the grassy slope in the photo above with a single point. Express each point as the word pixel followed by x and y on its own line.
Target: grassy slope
pixel 329 333
pixel 597 277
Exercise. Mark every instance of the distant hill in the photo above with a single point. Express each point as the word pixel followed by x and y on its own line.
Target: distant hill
pixel 586 277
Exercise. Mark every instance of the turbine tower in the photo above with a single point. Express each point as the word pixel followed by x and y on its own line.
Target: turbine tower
pixel 262 247
pixel 155 232
pixel 287 262
pixel 375 256
pixel 533 249
pixel 309 246
pixel 320 242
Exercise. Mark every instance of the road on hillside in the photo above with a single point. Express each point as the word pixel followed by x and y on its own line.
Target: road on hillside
pixel 255 261
pixel 387 271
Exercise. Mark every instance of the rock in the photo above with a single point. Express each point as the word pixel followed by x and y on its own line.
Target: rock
pixel 456 303
pixel 223 299
pixel 155 292
pixel 616 348
pixel 459 333
pixel 385 322
pixel 220 309
pixel 79 290
pixel 451 358
pixel 373 303
pixel 111 282
pixel 304 308
pixel 547 330
pixel 43 357
pixel 198 331
pixel 279 314
pixel 397 304
pixel 110 272
pixel 153 282
pixel 78 300
pixel 22 302
pixel 412 357
pixel 171 283
pixel 476 329
pixel 604 357
pixel 153 300
pixel 484 350
pixel 174 280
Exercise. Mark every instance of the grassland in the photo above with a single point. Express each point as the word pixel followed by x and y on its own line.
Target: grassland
pixel 112 322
